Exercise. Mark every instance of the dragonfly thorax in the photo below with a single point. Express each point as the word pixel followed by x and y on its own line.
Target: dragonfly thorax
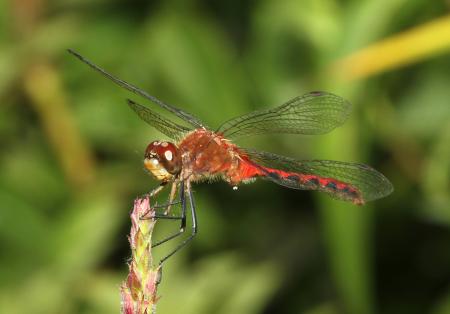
pixel 162 160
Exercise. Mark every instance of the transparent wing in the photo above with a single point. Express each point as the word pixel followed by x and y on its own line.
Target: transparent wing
pixel 165 126
pixel 189 118
pixel 313 113
pixel 325 175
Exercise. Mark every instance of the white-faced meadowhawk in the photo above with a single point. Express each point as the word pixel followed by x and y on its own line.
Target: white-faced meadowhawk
pixel 199 153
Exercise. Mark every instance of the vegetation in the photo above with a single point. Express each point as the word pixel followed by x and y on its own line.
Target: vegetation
pixel 71 154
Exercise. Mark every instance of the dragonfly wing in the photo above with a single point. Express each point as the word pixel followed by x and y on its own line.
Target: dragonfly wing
pixel 354 182
pixel 313 113
pixel 187 117
pixel 165 126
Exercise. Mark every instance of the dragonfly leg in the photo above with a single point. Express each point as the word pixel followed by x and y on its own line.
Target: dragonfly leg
pixel 194 224
pixel 173 191
pixel 156 190
pixel 161 215
pixel 167 206
pixel 182 218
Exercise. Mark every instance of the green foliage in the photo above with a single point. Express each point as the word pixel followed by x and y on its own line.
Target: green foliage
pixel 68 180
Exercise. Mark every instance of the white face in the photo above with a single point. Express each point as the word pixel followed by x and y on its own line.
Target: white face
pixel 157 169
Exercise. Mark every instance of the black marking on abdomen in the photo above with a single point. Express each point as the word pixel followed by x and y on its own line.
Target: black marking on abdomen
pixel 313 181
pixel 293 178
pixel 274 175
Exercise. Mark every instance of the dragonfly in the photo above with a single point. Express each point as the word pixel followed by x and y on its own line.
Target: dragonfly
pixel 198 153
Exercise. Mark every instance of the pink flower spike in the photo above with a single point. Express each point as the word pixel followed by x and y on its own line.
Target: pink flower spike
pixel 139 290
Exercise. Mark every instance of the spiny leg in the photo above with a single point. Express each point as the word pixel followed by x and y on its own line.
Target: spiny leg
pixel 173 191
pixel 163 215
pixel 194 224
pixel 156 190
pixel 167 205
pixel 151 194
pixel 182 218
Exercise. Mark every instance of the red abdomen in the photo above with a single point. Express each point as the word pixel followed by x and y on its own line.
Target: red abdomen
pixel 248 169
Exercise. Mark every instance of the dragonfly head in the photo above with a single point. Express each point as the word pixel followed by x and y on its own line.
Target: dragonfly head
pixel 162 160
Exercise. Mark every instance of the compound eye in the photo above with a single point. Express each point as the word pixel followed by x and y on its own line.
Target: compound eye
pixel 152 150
pixel 166 153
pixel 169 157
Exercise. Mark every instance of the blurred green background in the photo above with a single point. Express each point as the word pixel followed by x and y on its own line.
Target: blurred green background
pixel 71 153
